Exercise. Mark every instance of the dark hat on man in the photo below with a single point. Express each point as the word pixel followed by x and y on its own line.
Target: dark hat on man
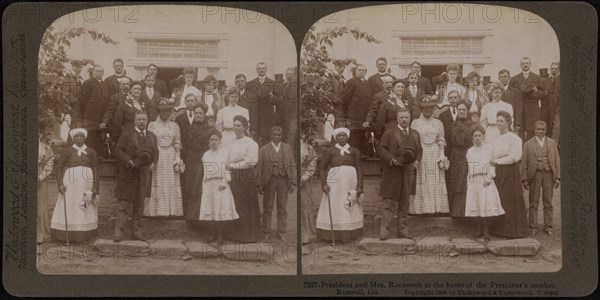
pixel 142 157
pixel 177 82
pixel 427 101
pixel 164 103
pixel 407 155
pixel 544 73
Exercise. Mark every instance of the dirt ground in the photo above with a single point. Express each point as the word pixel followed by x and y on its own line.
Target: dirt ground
pixel 322 258
pixel 55 258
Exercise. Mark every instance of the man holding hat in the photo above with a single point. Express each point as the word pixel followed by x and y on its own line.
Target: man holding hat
pixel 400 149
pixel 137 154
pixel 531 93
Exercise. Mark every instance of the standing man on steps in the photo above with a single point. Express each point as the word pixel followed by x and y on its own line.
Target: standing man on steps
pixel 400 149
pixel 137 154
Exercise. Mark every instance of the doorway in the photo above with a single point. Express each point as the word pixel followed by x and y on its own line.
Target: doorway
pixel 430 71
pixel 168 74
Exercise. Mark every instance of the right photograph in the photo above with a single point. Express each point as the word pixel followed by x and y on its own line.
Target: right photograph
pixel 430 141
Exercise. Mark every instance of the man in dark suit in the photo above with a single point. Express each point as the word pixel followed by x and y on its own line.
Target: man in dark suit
pixel 290 101
pixel 531 94
pixel 400 149
pixel 112 81
pixel 251 106
pixel 378 100
pixel 338 81
pixel 276 173
pixel 449 116
pixel 91 108
pixel 151 94
pixel 137 154
pixel 116 100
pixel 357 98
pixel 159 84
pixel 540 169
pixel 422 82
pixel 375 82
pixel 512 96
pixel 266 93
pixel 550 105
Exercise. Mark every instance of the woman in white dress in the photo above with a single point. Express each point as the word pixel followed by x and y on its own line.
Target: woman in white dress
pixel 431 193
pixel 225 117
pixel 165 197
pixel 77 173
pixel 217 204
pixel 489 111
pixel 483 200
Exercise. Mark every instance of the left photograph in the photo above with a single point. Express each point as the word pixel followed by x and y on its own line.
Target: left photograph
pixel 167 137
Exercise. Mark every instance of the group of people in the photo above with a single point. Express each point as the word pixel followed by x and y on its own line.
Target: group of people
pixel 445 148
pixel 190 152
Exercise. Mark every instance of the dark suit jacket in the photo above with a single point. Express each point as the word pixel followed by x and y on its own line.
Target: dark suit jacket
pixel 447 121
pixel 93 104
pixel 529 160
pixel 378 100
pixel 72 88
pixel 512 96
pixel 161 86
pixel 152 103
pixel 112 83
pixel 531 110
pixel 376 84
pixel 337 84
pixel 415 110
pixel 265 161
pixel 357 99
pixel 268 108
pixel 184 124
pixel 395 145
pixel 252 108
pixel 424 84
pixel 217 104
pixel 129 178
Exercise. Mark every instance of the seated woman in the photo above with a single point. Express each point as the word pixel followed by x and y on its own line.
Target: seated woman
pixel 341 173
pixel 75 216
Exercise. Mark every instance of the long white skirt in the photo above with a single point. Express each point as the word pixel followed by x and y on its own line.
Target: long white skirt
pixel 482 201
pixel 341 180
pixel 217 205
pixel 77 180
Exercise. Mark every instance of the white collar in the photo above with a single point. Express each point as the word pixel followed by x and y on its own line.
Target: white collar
pixel 343 149
pixel 81 149
pixel 276 146
pixel 526 74
pixel 540 141
pixel 382 74
pixel 403 129
pixel 262 78
pixel 149 87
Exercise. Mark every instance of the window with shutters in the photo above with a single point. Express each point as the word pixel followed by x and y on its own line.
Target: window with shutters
pixel 177 49
pixel 435 46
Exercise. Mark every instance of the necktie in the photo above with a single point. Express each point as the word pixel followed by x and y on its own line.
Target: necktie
pixel 143 133
pixel 405 131
pixel 453 110
pixel 191 114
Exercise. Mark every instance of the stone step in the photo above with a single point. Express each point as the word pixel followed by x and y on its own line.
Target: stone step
pixel 179 249
pixel 447 246
pixel 428 225
pixel 158 228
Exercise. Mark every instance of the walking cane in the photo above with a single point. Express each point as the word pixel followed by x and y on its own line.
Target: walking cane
pixel 66 223
pixel 330 219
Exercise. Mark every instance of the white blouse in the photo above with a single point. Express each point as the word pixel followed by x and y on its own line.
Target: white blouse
pixel 243 153
pixel 489 111
pixel 507 148
pixel 225 116
pixel 479 159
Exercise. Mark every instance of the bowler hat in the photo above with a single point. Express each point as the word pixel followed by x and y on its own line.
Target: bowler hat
pixel 544 73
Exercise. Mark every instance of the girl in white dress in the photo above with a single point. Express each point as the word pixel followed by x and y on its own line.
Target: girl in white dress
pixel 483 200
pixel 217 202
